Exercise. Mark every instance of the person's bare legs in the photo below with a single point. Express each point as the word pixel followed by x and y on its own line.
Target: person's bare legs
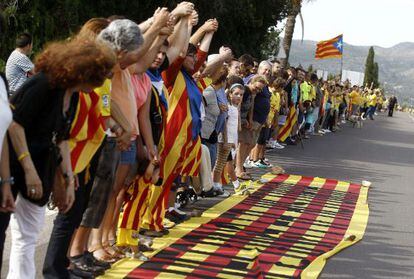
pixel 80 241
pixel 260 151
pixel 242 152
pixel 107 224
pixel 230 170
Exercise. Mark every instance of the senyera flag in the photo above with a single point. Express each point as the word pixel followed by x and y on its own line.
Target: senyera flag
pixel 332 48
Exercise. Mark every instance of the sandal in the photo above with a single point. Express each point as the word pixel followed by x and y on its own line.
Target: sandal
pixel 244 176
pixel 113 250
pixel 104 257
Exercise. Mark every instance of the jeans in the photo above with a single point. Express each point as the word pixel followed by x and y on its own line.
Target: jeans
pixel 213 151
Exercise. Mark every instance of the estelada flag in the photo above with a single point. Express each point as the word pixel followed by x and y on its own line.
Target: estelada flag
pixel 332 48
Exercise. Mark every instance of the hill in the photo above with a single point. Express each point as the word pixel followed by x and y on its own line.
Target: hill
pixel 396 64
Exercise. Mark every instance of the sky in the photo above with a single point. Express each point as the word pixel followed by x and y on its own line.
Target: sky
pixel 382 23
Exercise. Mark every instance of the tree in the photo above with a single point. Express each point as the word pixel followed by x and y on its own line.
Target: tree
pixel 270 46
pixel 294 11
pixel 371 69
pixel 311 70
pixel 242 24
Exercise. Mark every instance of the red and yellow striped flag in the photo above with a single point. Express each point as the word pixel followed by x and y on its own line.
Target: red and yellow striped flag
pixel 87 132
pixel 290 122
pixel 332 48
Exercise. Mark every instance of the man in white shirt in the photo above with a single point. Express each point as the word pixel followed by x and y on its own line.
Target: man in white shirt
pixel 18 66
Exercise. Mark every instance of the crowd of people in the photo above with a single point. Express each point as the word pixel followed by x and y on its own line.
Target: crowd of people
pixel 110 125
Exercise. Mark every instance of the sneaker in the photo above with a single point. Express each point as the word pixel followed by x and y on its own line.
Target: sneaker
pixel 260 165
pixel 249 164
pixel 209 194
pixel 278 145
pixel 265 162
pixel 222 193
pixel 243 189
pixel 138 256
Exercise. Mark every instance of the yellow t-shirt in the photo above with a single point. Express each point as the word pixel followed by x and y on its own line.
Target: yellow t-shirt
pixel 354 98
pixel 305 90
pixel 372 100
pixel 105 101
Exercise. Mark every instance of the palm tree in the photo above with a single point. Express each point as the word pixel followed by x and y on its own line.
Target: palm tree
pixel 290 28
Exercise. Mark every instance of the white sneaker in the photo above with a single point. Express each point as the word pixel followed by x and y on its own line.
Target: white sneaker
pixel 327 131
pixel 249 164
pixel 322 132
pixel 278 146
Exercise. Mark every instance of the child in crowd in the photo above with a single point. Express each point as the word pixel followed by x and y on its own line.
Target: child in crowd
pixel 134 208
pixel 229 139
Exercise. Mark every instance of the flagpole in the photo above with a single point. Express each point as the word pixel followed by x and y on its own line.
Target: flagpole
pixel 342 59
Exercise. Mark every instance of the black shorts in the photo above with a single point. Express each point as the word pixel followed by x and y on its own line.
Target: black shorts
pixel 264 136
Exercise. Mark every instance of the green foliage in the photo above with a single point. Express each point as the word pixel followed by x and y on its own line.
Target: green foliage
pixel 331 77
pixel 271 43
pixel 243 23
pixel 371 69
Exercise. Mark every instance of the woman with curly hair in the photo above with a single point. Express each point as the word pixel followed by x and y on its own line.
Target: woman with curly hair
pixel 44 108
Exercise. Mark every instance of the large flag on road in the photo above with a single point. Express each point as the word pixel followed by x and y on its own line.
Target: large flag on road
pixel 332 48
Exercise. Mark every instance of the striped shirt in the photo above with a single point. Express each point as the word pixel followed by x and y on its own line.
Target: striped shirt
pixel 17 67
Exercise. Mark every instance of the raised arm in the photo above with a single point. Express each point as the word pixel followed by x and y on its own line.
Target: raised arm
pixel 160 21
pixel 225 54
pixel 179 39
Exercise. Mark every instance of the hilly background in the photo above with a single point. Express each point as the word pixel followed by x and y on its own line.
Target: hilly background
pixel 396 64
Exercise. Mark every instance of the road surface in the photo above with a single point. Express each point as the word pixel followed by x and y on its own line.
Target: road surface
pixel 381 152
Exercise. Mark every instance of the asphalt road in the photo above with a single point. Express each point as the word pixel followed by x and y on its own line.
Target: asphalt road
pixel 381 152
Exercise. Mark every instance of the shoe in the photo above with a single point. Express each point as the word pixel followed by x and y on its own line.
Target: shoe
pixel 165 231
pixel 306 137
pixel 209 194
pixel 222 193
pixel 91 260
pixel 249 164
pixel 290 141
pixel 243 189
pixel 175 216
pixel 277 145
pixel 80 263
pixel 168 224
pixel 138 256
pixel 148 241
pixel 151 233
pixel 265 162
pixel 144 248
pixel 260 165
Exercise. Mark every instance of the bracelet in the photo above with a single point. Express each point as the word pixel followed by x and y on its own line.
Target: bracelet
pixel 23 155
pixel 9 180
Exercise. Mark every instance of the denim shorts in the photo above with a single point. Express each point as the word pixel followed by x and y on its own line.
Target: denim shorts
pixel 129 156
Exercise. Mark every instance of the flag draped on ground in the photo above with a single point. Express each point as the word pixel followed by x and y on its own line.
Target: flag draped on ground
pixel 286 228
pixel 332 48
